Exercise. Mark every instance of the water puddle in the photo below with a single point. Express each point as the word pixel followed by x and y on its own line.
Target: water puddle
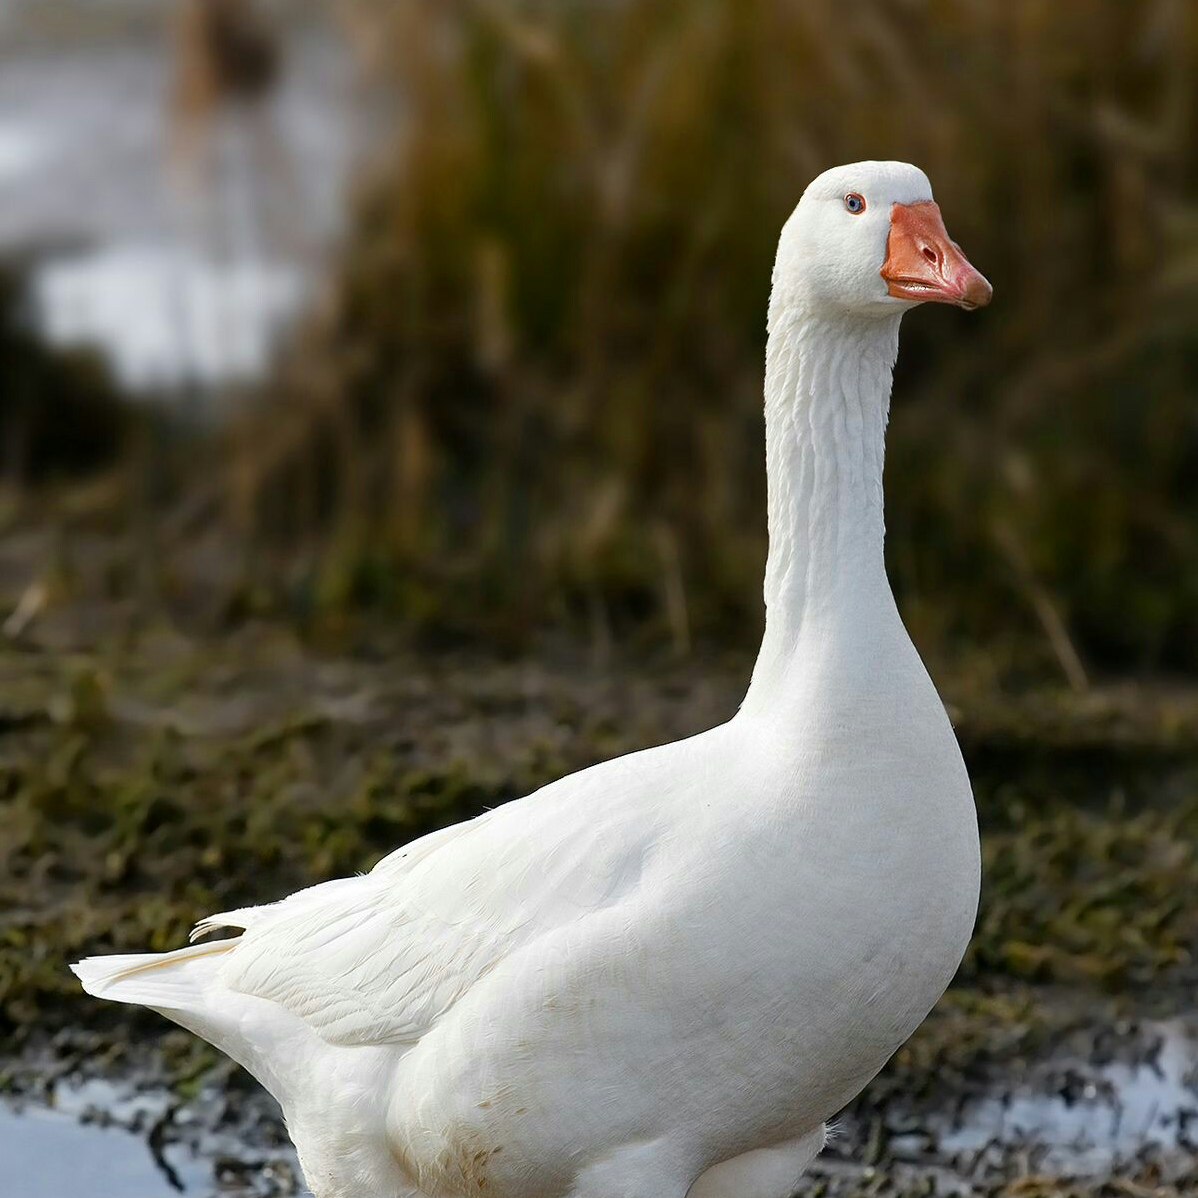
pixel 98 1140
pixel 1115 1105
pixel 1094 1120
pixel 48 1154
pixel 1124 1104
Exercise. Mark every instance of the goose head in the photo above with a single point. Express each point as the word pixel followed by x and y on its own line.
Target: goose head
pixel 868 239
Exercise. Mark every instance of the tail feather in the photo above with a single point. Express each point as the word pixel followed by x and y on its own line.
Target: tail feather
pixel 154 979
pixel 186 987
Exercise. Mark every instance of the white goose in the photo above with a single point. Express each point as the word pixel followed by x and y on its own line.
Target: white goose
pixel 657 977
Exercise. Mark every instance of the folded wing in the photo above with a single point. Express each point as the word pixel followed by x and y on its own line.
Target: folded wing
pixel 377 959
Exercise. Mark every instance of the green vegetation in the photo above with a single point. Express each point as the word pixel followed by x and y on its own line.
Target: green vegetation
pixel 157 781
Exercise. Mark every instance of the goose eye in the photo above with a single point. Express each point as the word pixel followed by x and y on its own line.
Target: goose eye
pixel 855 203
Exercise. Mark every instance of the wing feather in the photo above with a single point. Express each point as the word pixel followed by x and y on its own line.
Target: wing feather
pixel 378 958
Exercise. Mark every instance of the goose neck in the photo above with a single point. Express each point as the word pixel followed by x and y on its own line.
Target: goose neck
pixel 827 399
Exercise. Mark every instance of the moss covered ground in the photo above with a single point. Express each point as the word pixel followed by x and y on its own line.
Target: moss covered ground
pixel 147 780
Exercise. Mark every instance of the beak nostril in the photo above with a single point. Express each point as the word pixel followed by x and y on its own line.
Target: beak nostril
pixel 923 264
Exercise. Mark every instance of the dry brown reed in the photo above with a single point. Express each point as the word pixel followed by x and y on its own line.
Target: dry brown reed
pixel 536 397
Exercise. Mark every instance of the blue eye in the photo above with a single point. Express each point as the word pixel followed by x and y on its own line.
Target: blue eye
pixel 855 203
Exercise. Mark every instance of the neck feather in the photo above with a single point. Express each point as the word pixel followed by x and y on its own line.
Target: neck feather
pixel 827 398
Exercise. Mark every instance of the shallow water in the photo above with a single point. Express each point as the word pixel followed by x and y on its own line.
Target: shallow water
pixel 183 270
pixel 1099 1119
pixel 1071 1117
pixel 48 1153
pixel 102 1140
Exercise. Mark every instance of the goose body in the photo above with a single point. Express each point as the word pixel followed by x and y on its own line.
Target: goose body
pixel 660 976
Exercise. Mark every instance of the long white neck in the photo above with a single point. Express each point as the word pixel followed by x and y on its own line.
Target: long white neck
pixel 827 398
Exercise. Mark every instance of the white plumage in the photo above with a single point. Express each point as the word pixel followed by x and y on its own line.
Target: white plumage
pixel 660 976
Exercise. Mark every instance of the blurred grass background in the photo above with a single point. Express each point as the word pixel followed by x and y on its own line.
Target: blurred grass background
pixel 530 396
pixel 536 395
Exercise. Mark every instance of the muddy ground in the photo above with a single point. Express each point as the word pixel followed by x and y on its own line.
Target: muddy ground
pixel 148 778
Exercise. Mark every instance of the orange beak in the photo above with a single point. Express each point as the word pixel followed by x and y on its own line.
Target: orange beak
pixel 924 264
